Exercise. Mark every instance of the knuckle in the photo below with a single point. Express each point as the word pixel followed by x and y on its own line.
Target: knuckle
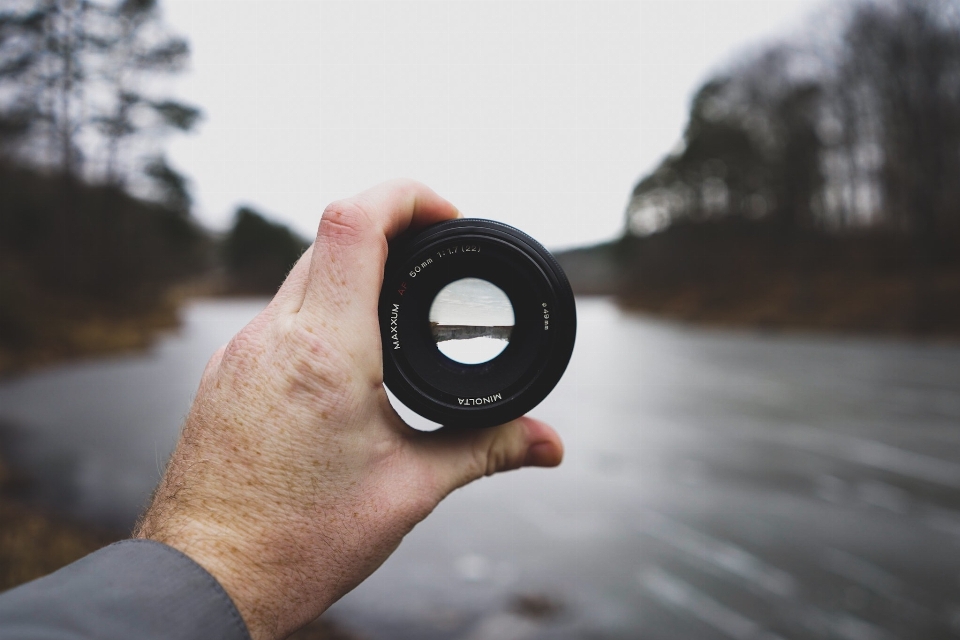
pixel 343 221
pixel 212 368
pixel 476 466
pixel 242 352
pixel 497 460
pixel 214 362
pixel 236 348
pixel 502 454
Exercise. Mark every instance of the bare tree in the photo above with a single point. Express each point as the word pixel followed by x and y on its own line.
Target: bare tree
pixel 906 61
pixel 751 149
pixel 74 80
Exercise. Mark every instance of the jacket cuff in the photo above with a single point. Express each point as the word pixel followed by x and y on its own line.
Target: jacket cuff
pixel 130 589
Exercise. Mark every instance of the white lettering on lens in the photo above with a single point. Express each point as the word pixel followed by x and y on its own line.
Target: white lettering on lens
pixel 420 267
pixel 394 314
pixel 470 402
pixel 449 251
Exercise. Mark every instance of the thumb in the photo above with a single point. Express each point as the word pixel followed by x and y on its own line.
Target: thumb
pixel 460 456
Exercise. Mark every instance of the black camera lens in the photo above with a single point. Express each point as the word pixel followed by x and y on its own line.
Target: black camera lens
pixel 477 322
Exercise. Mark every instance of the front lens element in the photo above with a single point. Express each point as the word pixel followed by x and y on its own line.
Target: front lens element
pixel 471 321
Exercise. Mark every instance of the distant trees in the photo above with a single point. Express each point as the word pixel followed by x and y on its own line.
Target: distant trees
pixel 91 207
pixel 861 130
pixel 258 253
pixel 818 183
pixel 95 224
pixel 901 78
pixel 74 78
pixel 751 149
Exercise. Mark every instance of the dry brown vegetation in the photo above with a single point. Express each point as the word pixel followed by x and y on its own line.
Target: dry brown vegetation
pixel 33 544
pixel 736 273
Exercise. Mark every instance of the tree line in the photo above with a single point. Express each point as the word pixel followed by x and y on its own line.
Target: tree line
pixel 91 206
pixel 94 220
pixel 817 183
pixel 76 79
pixel 856 126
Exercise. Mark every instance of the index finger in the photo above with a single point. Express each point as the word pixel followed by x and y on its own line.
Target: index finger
pixel 351 246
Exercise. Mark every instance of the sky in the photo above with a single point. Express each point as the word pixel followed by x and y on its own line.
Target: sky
pixel 472 302
pixel 542 115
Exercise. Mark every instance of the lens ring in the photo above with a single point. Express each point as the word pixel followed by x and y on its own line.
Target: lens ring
pixel 541 342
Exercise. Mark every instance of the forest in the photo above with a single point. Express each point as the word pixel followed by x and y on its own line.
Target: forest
pixel 97 238
pixel 815 186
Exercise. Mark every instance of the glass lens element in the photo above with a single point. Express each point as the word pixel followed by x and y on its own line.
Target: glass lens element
pixel 471 320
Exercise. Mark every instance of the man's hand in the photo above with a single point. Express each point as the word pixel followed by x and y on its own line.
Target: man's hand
pixel 294 479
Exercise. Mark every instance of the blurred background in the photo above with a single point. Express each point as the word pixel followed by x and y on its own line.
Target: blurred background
pixel 757 202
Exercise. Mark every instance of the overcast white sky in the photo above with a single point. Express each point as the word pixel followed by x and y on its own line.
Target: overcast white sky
pixel 539 114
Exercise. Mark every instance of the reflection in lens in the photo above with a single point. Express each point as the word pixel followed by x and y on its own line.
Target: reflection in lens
pixel 471 320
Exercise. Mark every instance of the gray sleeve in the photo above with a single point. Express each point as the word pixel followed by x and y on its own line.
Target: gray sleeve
pixel 131 589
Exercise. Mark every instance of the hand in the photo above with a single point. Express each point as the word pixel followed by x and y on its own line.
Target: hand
pixel 293 478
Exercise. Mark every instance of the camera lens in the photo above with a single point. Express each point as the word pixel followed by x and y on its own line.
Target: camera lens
pixel 477 322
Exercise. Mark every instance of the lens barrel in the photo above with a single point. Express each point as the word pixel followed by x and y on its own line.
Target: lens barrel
pixel 442 389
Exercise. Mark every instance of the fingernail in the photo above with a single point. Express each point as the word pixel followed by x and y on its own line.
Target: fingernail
pixel 541 454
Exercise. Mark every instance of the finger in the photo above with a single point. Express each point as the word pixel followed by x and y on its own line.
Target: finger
pixel 289 297
pixel 460 456
pixel 351 246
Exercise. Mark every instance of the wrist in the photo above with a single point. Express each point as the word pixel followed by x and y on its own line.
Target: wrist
pixel 240 560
